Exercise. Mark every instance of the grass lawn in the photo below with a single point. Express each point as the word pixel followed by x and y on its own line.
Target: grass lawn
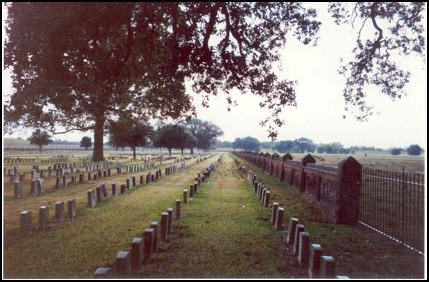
pixel 224 233
pixel 77 247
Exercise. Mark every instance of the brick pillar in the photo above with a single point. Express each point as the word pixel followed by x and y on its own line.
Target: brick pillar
pixel 349 182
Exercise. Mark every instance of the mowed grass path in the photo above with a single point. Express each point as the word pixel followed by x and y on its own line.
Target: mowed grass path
pixel 75 248
pixel 223 234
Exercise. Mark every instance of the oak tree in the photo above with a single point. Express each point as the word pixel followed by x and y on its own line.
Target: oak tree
pixel 128 132
pixel 204 133
pixel 86 142
pixel 81 65
pixel 172 136
pixel 40 138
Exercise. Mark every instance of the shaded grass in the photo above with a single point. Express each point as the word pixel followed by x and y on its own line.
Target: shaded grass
pixel 75 248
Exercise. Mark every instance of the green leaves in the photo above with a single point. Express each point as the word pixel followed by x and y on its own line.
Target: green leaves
pixel 398 31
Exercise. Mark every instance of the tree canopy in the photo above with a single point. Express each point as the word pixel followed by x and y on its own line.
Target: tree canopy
pixel 414 150
pixel 86 142
pixel 40 138
pixel 131 133
pixel 397 30
pixel 81 65
pixel 248 143
pixel 205 133
pixel 172 136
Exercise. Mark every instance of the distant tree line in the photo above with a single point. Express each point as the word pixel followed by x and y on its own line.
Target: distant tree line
pixel 132 133
pixel 306 145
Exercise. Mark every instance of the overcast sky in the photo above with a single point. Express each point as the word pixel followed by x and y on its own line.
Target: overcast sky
pixel 319 114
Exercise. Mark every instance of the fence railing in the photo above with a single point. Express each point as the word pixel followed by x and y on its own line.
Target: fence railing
pixel 392 203
pixel 335 189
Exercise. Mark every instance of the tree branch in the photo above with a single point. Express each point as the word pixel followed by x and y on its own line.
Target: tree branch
pixel 130 41
pixel 363 24
pixel 210 28
pixel 228 29
pixel 373 15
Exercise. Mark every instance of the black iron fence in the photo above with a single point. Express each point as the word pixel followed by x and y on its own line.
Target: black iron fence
pixel 392 203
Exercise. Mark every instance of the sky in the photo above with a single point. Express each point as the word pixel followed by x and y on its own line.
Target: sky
pixel 319 112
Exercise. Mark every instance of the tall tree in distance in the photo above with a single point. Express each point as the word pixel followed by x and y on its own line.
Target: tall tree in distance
pixel 86 142
pixel 250 144
pixel 205 133
pixel 414 150
pixel 237 144
pixel 173 136
pixel 40 138
pixel 284 146
pixel 129 133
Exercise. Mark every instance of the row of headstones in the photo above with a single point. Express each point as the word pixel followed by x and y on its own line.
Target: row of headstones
pixel 11 160
pixel 198 181
pixel 263 193
pixel 26 227
pixel 59 158
pixel 308 255
pixel 60 170
pixel 93 196
pixel 117 157
pixel 139 167
pixel 13 173
pixel 130 263
pixel 37 185
pixel 101 192
pixel 32 160
pixel 142 249
pixel 174 168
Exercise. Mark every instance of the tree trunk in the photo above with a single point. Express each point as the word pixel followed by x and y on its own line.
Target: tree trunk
pixel 182 151
pixel 98 139
pixel 169 151
pixel 40 149
pixel 192 151
pixel 134 152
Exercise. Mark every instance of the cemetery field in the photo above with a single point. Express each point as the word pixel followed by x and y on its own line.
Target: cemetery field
pixel 223 232
pixel 76 247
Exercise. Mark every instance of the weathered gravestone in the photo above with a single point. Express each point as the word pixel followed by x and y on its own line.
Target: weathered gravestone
pixel 59 211
pixel 43 217
pixel 71 205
